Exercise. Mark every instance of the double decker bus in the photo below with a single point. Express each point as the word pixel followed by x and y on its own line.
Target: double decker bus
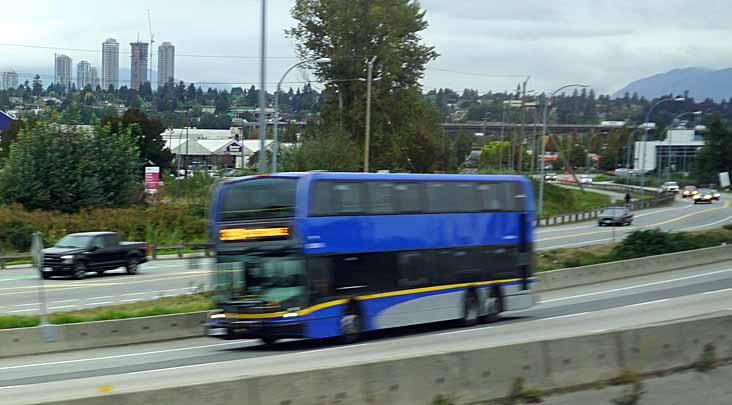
pixel 317 255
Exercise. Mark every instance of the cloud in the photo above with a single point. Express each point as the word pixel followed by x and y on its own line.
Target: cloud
pixel 606 43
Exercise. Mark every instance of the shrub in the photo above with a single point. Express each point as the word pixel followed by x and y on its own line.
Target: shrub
pixel 15 234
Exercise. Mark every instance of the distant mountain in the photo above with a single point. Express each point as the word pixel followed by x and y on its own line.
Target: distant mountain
pixel 701 83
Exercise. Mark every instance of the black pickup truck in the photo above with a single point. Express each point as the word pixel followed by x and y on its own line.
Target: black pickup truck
pixel 77 254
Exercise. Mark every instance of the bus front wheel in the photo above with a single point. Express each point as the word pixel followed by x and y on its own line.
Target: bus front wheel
pixel 494 303
pixel 351 326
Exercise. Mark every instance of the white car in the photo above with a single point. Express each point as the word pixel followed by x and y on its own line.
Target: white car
pixel 584 179
pixel 670 187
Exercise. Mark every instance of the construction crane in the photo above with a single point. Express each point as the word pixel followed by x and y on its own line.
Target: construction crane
pixel 152 41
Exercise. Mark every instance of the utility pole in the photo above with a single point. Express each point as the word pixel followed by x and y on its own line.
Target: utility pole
pixel 152 41
pixel 523 125
pixel 367 137
pixel 263 89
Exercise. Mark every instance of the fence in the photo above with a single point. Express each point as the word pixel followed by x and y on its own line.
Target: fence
pixel 659 201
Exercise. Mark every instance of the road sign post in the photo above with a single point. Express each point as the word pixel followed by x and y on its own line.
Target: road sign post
pixel 37 251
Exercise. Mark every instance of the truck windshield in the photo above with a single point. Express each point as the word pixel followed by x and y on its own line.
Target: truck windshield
pixel 258 198
pixel 275 279
pixel 74 241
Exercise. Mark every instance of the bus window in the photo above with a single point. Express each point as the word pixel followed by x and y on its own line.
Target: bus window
pixel 321 281
pixel 465 197
pixel 381 198
pixel 438 197
pixel 337 198
pixel 365 273
pixel 412 270
pixel 489 197
pixel 408 195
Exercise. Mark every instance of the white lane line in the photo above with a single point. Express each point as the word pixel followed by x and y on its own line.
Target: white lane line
pixel 63 306
pixel 134 294
pixel 26 305
pixel 22 310
pixel 717 291
pixel 564 316
pixel 58 302
pixel 100 303
pixel 130 300
pixel 638 286
pixel 646 303
pixel 105 297
pixel 463 331
pixel 706 225
pixel 119 356
pixel 587 242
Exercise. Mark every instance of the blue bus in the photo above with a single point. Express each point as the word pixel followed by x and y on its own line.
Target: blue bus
pixel 317 254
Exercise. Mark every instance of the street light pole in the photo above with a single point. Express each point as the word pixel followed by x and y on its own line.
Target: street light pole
pixel 367 136
pixel 262 87
pixel 670 141
pixel 547 102
pixel 275 130
pixel 646 124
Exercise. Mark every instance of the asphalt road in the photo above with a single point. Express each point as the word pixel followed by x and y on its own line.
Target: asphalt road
pixel 19 288
pixel 580 310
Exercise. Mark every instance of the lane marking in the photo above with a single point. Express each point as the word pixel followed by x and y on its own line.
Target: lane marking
pixel 120 356
pixel 100 303
pixel 63 306
pixel 130 300
pixel 104 297
pixel 57 302
pixel 647 303
pixel 637 286
pixel 463 331
pixel 22 310
pixel 563 316
pixel 25 305
pixel 717 291
pixel 133 294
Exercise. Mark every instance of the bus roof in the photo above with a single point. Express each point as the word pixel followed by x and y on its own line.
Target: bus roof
pixel 384 176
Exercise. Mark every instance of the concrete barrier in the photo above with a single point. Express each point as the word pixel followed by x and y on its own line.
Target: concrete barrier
pixel 469 376
pixel 24 341
pixel 597 273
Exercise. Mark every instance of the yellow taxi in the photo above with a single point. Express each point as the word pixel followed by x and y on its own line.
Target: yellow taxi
pixel 704 195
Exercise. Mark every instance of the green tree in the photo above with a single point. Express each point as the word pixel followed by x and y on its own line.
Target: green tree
pixel 324 149
pixel 462 146
pixel 148 134
pixel 716 155
pixel 387 32
pixel 66 168
pixel 8 137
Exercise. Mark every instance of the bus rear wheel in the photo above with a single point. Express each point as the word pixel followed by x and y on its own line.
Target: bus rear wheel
pixel 470 310
pixel 269 340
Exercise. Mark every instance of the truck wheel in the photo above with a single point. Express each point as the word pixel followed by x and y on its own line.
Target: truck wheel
pixel 80 272
pixel 350 324
pixel 45 276
pixel 470 309
pixel 269 340
pixel 132 265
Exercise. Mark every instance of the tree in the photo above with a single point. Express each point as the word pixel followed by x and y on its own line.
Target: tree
pixel 148 135
pixel 8 137
pixel 387 30
pixel 462 146
pixel 322 149
pixel 716 155
pixel 65 168
pixel 37 86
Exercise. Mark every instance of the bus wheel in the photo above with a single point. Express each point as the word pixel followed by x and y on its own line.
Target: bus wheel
pixel 494 303
pixel 470 311
pixel 351 327
pixel 269 340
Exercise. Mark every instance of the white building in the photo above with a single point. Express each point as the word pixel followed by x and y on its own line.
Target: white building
pixel 94 77
pixel 62 70
pixel 110 63
pixel 215 147
pixel 9 80
pixel 166 63
pixel 677 151
pixel 83 74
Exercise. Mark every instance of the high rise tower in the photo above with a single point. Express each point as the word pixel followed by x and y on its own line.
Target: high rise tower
pixel 110 63
pixel 166 63
pixel 138 64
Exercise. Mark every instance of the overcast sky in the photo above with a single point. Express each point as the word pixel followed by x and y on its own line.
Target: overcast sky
pixel 605 43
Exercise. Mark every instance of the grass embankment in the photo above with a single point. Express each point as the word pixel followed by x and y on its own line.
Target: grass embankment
pixel 559 200
pixel 637 244
pixel 161 306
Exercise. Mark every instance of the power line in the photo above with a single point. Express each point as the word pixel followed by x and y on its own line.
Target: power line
pixel 56 48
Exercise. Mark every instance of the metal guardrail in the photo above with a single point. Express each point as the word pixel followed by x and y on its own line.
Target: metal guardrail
pixel 659 201
pixel 154 252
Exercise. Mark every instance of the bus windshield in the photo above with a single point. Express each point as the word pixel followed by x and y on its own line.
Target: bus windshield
pixel 273 279
pixel 260 198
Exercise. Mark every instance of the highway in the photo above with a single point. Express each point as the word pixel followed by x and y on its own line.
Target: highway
pixel 580 310
pixel 19 287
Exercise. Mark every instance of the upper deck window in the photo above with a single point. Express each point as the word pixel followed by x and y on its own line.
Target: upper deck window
pixel 258 199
